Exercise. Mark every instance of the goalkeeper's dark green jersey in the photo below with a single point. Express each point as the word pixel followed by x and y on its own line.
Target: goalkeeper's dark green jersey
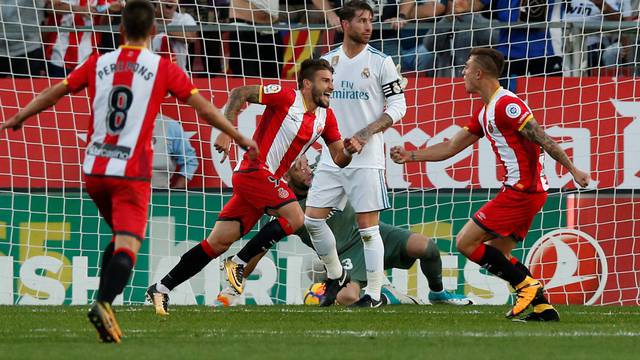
pixel 350 248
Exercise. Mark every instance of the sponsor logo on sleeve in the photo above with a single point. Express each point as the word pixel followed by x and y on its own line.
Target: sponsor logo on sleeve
pixel 513 110
pixel 272 89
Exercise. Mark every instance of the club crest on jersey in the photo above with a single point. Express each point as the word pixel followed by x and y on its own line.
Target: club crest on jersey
pixel 397 88
pixel 365 73
pixel 282 193
pixel 513 111
pixel 272 89
pixel 334 60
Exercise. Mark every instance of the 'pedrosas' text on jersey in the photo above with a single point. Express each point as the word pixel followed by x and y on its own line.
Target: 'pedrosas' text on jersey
pixel 126 88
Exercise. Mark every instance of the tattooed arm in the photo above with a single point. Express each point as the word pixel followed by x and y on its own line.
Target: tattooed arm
pixel 237 98
pixel 377 126
pixel 535 133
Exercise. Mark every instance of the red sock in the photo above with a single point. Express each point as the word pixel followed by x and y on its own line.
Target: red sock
pixel 477 254
pixel 208 249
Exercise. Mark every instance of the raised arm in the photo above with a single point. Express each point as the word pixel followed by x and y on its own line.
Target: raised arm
pixel 43 101
pixel 237 98
pixel 437 152
pixel 532 131
pixel 214 117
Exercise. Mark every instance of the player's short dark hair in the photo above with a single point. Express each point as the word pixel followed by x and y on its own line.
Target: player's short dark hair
pixel 350 8
pixel 138 18
pixel 309 68
pixel 491 60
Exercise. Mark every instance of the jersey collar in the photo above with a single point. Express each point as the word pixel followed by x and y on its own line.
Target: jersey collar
pixel 494 94
pixel 131 47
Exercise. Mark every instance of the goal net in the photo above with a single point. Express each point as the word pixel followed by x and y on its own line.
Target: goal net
pixel 584 245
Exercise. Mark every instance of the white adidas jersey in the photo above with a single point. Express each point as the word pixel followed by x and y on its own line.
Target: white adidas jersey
pixel 365 86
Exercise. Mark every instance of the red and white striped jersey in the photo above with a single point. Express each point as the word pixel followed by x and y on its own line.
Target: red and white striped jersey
pixel 501 121
pixel 126 88
pixel 287 130
pixel 174 48
pixel 73 47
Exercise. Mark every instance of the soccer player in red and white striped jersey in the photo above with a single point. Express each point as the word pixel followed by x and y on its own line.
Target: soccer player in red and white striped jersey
pixel 516 138
pixel 292 121
pixel 125 88
pixel 70 48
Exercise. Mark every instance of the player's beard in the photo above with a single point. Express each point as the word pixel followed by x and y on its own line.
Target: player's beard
pixel 318 98
pixel 469 88
pixel 359 38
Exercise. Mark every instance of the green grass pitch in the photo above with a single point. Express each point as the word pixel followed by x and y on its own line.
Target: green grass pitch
pixel 303 332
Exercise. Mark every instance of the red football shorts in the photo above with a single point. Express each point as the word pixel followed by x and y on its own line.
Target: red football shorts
pixel 123 203
pixel 510 213
pixel 254 193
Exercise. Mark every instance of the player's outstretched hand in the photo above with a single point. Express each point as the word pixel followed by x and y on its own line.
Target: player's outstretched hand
pixel 400 155
pixel 249 146
pixel 14 123
pixel 352 146
pixel 223 145
pixel 581 177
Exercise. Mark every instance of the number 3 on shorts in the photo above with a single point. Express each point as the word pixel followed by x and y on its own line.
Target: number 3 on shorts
pixel 120 100
pixel 347 264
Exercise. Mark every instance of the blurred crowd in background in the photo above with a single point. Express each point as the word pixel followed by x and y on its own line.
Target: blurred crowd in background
pixel 267 38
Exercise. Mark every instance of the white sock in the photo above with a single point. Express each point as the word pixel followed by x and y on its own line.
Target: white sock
pixel 325 245
pixel 374 260
pixel 161 288
pixel 237 260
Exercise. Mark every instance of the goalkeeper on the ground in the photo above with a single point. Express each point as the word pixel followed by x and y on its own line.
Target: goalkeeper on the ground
pixel 401 250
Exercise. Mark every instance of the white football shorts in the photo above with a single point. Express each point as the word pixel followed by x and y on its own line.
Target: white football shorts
pixel 366 189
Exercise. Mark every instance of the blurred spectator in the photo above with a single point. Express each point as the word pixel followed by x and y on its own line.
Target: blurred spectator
pixel 403 44
pixel 529 50
pixel 254 52
pixel 602 47
pixel 172 151
pixel 73 47
pixel 207 50
pixel 173 44
pixel 460 30
pixel 110 39
pixel 21 51
pixel 311 12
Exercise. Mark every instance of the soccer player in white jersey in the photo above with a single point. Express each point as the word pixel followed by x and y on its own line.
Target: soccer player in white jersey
pixel 367 99
pixel 516 138
pixel 126 88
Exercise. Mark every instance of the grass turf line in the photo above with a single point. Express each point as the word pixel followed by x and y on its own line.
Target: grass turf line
pixel 302 332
